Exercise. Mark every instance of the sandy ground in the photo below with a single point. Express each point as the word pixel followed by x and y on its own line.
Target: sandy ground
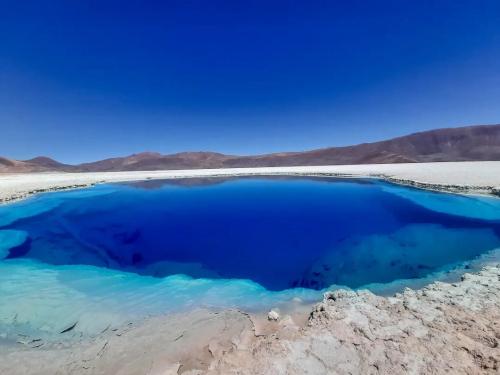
pixel 442 328
pixel 481 177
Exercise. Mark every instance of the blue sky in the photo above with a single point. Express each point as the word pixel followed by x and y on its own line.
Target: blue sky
pixel 84 80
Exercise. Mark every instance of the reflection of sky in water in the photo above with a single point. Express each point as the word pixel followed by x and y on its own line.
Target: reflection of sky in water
pixel 118 251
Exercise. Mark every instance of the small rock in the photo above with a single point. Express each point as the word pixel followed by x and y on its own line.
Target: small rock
pixel 339 294
pixel 273 315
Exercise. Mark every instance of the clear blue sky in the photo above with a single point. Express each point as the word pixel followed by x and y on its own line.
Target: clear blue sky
pixel 84 80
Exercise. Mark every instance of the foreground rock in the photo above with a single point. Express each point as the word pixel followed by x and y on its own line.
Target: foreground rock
pixel 443 328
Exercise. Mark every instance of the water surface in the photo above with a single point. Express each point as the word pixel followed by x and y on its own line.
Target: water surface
pixel 160 246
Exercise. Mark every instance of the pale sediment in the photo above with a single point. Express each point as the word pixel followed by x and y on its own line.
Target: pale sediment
pixel 463 177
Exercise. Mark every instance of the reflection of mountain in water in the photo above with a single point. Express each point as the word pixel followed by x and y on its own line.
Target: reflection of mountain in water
pixel 151 184
pixel 185 182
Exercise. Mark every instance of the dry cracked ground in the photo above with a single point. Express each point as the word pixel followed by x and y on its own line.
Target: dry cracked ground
pixel 442 328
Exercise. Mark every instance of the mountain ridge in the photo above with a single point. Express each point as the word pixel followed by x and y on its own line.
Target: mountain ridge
pixel 469 143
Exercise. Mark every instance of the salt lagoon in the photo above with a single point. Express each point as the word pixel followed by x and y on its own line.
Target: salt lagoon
pixel 84 260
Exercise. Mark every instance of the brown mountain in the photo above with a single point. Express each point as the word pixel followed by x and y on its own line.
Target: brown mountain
pixel 45 163
pixel 154 161
pixel 452 144
pixel 38 164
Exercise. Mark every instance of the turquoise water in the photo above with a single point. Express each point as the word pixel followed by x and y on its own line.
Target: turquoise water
pixel 114 253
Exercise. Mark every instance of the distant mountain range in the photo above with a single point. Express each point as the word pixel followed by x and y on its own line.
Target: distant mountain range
pixel 472 143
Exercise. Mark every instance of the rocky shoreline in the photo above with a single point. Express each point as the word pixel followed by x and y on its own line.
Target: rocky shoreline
pixel 29 193
pixel 442 328
pixel 459 189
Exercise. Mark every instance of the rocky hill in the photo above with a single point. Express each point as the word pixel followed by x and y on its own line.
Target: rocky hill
pixel 472 143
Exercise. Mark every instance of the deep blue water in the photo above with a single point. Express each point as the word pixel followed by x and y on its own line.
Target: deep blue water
pixel 278 232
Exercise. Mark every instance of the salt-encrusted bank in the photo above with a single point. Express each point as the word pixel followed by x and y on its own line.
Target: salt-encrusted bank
pixel 442 328
pixel 470 177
